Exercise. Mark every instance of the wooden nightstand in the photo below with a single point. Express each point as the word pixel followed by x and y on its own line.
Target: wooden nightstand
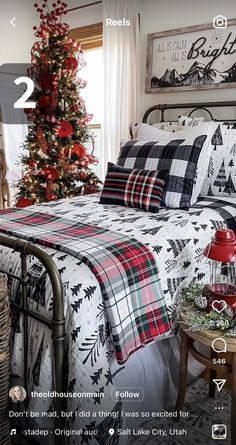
pixel 187 345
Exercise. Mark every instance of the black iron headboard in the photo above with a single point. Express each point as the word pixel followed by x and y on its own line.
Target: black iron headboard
pixel 193 106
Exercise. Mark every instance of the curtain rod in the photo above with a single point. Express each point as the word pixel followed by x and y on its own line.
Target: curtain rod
pixel 84 6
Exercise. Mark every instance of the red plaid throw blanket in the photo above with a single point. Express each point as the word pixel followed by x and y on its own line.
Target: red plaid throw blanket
pixel 124 267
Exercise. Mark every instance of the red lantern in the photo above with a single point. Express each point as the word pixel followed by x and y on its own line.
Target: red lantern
pixel 221 292
pixel 24 202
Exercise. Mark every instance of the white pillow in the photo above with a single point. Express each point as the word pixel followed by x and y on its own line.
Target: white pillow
pixel 146 132
pixel 190 121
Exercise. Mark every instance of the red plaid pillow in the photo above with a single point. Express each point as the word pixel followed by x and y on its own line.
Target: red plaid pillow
pixel 129 187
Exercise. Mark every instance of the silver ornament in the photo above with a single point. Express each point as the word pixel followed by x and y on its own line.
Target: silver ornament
pixel 200 301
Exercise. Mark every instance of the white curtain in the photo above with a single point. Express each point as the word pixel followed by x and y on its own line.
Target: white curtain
pixel 12 135
pixel 13 138
pixel 121 75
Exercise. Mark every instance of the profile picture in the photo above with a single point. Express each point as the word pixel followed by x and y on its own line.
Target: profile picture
pixel 17 394
pixel 219 431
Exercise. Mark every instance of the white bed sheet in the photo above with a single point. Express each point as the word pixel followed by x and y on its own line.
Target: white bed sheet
pixel 155 367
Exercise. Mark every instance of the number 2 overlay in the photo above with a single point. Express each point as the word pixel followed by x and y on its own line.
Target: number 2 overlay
pixel 16 89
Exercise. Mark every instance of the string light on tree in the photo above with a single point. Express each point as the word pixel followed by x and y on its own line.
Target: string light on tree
pixel 56 159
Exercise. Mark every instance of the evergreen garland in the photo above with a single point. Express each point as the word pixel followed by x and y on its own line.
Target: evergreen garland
pixel 199 319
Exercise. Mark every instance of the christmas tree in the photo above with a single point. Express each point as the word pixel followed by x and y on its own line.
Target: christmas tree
pixel 229 186
pixel 210 192
pixel 220 180
pixel 217 138
pixel 56 156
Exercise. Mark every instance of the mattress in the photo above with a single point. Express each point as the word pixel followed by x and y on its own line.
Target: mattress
pixel 177 238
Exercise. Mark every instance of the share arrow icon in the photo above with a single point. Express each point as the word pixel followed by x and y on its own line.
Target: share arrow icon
pixel 219 383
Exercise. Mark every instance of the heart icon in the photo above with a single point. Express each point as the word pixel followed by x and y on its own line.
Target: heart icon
pixel 111 431
pixel 219 305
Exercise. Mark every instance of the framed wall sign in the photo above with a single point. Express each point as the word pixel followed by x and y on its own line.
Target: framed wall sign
pixel 193 58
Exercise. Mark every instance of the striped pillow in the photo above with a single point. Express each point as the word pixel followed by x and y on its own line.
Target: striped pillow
pixel 129 187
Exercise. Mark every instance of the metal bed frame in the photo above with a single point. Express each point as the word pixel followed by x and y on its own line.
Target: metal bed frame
pixel 194 106
pixel 57 324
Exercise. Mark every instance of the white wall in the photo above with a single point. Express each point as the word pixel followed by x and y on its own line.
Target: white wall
pixel 16 42
pixel 85 16
pixel 162 15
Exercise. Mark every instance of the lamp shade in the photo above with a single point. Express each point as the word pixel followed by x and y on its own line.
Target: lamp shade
pixel 223 247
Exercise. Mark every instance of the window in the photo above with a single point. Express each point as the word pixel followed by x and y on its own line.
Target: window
pixel 90 38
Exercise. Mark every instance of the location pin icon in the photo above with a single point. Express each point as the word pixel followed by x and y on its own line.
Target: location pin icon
pixel 111 431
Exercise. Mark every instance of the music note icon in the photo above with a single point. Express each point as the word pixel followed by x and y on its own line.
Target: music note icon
pixel 13 432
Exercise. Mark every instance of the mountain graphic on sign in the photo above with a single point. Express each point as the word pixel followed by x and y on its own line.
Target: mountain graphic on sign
pixel 198 74
pixel 170 76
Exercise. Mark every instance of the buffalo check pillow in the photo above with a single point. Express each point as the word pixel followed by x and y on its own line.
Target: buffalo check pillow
pixel 129 187
pixel 185 154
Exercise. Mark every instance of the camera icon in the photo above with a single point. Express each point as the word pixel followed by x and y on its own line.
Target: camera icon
pixel 219 22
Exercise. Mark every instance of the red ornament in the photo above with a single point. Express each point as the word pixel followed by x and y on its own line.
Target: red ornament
pixel 71 63
pixel 66 129
pixel 50 173
pixel 79 151
pixel 76 152
pixel 88 189
pixel 32 163
pixel 83 176
pixel 24 202
pixel 44 102
pixel 74 108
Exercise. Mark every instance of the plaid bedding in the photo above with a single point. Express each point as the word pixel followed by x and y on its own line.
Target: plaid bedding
pixel 124 267
pixel 141 189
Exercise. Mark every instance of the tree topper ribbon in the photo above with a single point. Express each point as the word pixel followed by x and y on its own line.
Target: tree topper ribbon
pixel 51 27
